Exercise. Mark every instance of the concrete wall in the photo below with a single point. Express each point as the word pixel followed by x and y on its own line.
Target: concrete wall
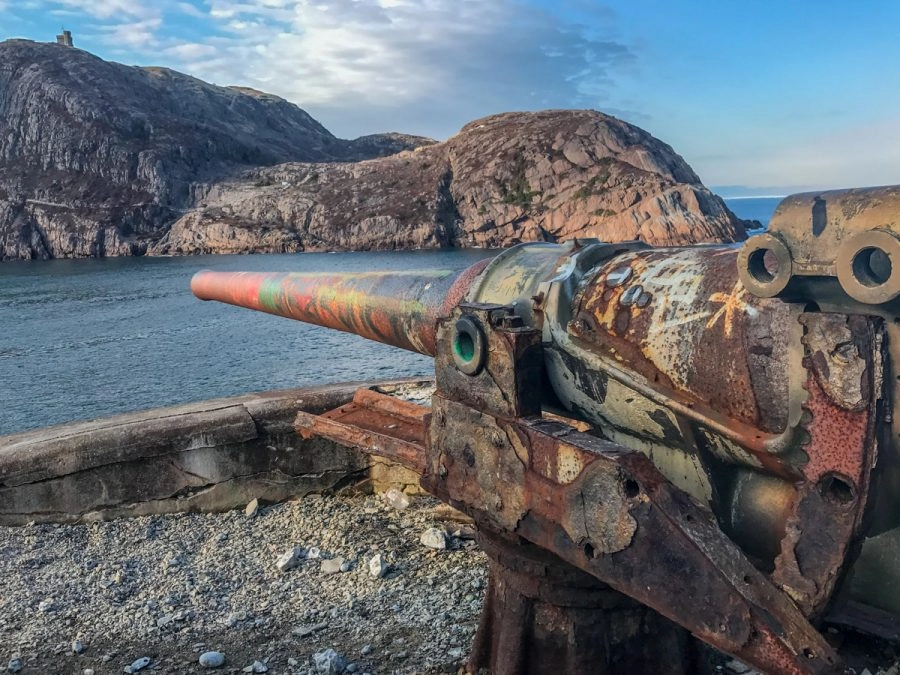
pixel 208 456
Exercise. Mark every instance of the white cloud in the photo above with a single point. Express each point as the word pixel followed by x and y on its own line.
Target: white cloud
pixel 376 64
pixel 361 66
pixel 107 9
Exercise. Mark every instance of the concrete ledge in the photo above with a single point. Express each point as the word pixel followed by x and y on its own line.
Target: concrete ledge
pixel 207 456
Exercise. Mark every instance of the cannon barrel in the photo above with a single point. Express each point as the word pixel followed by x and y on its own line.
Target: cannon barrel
pixel 397 308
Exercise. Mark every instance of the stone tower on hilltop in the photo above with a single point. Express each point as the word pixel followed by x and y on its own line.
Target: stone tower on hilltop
pixel 65 38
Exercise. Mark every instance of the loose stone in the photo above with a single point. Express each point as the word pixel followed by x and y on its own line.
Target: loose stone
pixel 397 499
pixel 332 566
pixel 138 664
pixel 14 665
pixel 377 566
pixel 257 667
pixel 252 508
pixel 329 662
pixel 304 631
pixel 434 538
pixel 290 559
pixel 77 646
pixel 212 659
pixel 366 650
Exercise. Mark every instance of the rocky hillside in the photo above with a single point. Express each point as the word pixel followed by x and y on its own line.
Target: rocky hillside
pixel 502 180
pixel 98 158
pixel 101 159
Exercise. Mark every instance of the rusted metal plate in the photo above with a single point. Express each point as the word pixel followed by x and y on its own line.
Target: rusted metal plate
pixel 621 521
pixel 844 387
pixel 500 383
pixel 608 511
pixel 542 615
pixel 374 423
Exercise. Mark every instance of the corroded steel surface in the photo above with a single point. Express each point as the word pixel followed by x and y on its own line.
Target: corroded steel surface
pixel 396 308
pixel 622 522
pixel 375 423
pixel 682 320
pixel 734 435
pixel 822 244
pixel 541 615
pixel 825 527
pixel 608 511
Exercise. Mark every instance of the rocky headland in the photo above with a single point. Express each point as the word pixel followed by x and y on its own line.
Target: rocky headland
pixel 102 159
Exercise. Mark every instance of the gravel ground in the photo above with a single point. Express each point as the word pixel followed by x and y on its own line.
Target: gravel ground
pixel 167 589
pixel 171 588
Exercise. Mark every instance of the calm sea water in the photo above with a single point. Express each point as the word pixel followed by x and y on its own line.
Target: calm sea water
pixel 87 338
pixel 754 208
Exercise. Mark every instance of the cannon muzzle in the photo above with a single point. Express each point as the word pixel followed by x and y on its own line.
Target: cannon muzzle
pixel 396 308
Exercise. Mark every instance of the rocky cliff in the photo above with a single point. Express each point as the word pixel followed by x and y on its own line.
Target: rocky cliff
pixel 504 179
pixel 100 159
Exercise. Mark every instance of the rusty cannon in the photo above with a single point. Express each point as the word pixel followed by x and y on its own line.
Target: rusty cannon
pixel 654 443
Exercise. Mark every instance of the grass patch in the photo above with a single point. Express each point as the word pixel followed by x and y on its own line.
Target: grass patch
pixel 517 191
pixel 595 186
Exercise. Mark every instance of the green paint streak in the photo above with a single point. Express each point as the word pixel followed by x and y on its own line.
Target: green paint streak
pixel 270 296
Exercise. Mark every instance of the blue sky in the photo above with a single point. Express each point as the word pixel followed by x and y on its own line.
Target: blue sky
pixel 769 97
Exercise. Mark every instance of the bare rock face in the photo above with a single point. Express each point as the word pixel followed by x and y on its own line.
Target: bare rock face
pixel 502 180
pixel 98 158
pixel 101 159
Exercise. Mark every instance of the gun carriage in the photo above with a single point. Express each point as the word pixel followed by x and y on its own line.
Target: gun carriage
pixel 652 442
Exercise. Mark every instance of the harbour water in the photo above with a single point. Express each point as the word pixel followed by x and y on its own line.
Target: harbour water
pixel 88 338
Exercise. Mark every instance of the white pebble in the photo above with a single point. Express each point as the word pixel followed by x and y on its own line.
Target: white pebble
pixel 399 500
pixel 290 559
pixel 332 566
pixel 77 646
pixel 377 566
pixel 252 508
